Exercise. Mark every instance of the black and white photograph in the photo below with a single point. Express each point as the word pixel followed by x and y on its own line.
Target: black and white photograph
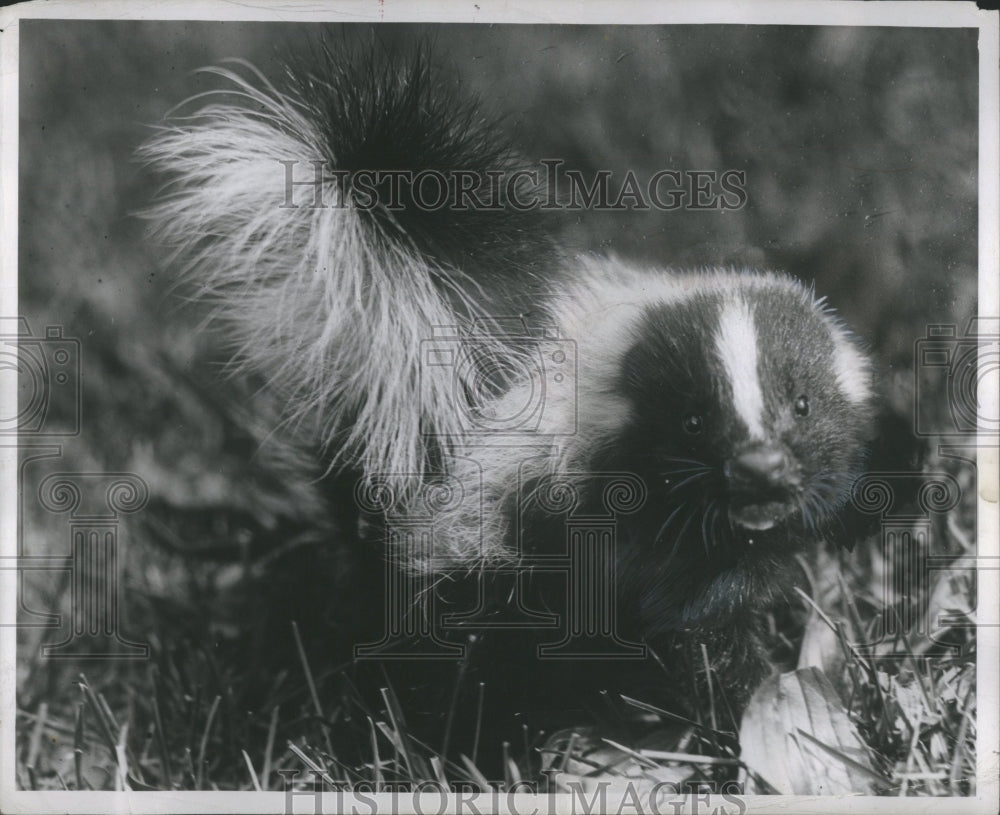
pixel 469 408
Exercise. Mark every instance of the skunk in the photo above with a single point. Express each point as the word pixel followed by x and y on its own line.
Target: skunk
pixel 478 380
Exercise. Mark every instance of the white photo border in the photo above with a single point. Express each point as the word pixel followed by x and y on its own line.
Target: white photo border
pixel 626 12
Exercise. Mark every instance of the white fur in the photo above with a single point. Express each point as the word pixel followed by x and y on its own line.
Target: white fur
pixel 335 324
pixel 736 346
pixel 852 369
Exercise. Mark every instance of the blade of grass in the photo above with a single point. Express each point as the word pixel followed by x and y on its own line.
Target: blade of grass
pixel 348 775
pixel 416 769
pixel 203 744
pixel 666 714
pixel 103 725
pixel 133 771
pixel 852 607
pixel 52 724
pixel 438 768
pixel 596 767
pixel 312 765
pixel 451 766
pixel 189 765
pixel 617 715
pixel 79 744
pixel 449 722
pixel 121 774
pixel 376 759
pixel 647 762
pixel 166 770
pixel 933 788
pixel 147 743
pixel 475 774
pixel 955 773
pixel 568 754
pixel 765 786
pixel 910 757
pixel 272 728
pixel 36 739
pixel 393 738
pixel 511 774
pixel 849 648
pixel 312 687
pixel 115 727
pixel 253 773
pixel 691 758
pixel 711 691
pixel 479 722
pixel 132 763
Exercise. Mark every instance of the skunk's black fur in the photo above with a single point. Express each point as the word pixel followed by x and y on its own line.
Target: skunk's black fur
pixel 393 114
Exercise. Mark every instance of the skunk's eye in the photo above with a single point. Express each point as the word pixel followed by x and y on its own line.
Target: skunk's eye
pixel 802 406
pixel 693 424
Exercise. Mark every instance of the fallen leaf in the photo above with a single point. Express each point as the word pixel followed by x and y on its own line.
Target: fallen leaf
pixel 797 737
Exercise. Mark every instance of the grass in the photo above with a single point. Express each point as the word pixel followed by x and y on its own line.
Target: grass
pixel 198 717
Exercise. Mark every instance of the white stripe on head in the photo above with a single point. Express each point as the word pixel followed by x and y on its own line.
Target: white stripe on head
pixel 736 346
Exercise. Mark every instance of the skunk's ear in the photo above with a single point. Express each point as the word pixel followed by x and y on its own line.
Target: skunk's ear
pixel 894 448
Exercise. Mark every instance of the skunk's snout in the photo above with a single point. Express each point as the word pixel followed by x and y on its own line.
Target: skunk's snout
pixel 761 481
pixel 762 466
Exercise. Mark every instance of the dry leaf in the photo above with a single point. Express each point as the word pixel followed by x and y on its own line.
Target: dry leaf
pixel 797 737
pixel 821 647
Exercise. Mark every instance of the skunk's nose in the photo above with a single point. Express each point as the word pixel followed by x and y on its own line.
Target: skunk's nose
pixel 761 465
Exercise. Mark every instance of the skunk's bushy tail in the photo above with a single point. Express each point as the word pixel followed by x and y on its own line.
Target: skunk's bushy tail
pixel 331 303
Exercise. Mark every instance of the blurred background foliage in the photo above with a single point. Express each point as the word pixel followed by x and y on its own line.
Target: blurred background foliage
pixel 859 147
pixel 860 153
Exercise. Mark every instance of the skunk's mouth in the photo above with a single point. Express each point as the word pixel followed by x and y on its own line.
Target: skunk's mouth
pixel 758 516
